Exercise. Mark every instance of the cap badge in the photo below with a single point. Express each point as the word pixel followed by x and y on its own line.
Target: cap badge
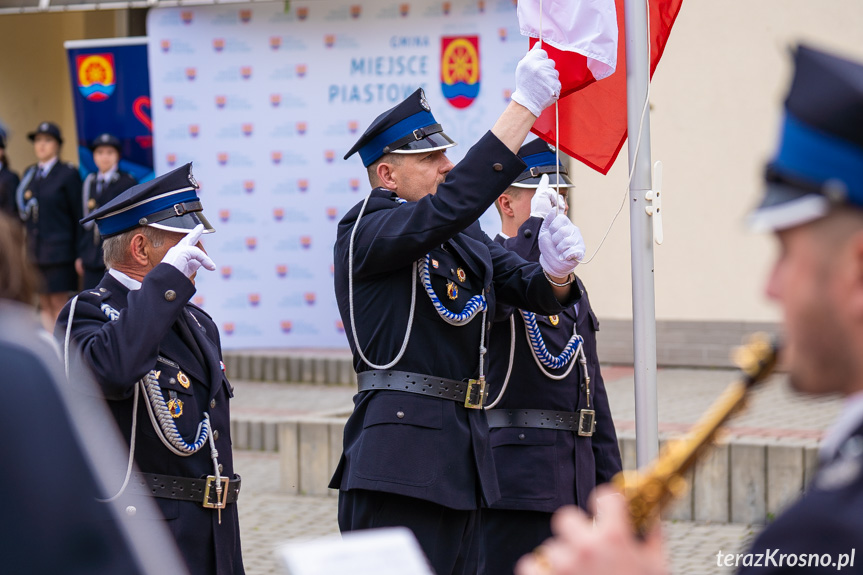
pixel 550 147
pixel 192 179
pixel 451 290
pixel 423 102
pixel 460 275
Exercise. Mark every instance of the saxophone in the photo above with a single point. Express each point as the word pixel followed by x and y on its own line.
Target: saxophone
pixel 648 491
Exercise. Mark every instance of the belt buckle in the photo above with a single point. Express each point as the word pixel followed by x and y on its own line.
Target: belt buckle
pixel 211 484
pixel 586 422
pixel 479 386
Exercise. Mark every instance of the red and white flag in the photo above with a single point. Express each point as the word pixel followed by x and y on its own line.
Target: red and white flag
pixel 581 32
pixel 592 115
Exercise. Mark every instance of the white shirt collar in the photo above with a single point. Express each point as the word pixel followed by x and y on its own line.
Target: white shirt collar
pixel 503 235
pixel 46 167
pixel 125 280
pixel 107 176
pixel 849 419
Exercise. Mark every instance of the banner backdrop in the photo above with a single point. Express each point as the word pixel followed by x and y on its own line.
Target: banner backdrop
pixel 111 93
pixel 266 102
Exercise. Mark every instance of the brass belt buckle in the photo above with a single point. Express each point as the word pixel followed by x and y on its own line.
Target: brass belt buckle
pixel 586 422
pixel 480 390
pixel 211 485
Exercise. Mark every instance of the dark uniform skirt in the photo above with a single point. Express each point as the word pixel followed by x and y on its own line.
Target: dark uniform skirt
pixel 58 278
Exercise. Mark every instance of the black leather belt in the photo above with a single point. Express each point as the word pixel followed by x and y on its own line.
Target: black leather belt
pixel 186 489
pixel 460 391
pixel 579 421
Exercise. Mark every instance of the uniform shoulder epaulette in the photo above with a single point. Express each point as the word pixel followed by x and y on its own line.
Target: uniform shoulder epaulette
pixel 95 295
pixel 200 309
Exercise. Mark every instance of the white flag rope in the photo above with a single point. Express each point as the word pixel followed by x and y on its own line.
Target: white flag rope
pixel 637 141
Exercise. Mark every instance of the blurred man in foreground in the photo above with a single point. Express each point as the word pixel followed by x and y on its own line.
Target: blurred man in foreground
pixel 814 205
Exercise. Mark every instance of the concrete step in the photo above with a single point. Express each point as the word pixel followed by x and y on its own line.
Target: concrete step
pixel 278 366
pixel 742 481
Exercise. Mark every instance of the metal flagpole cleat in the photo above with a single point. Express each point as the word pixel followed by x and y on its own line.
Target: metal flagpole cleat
pixel 654 202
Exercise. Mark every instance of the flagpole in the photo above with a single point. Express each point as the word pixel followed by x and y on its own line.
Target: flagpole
pixel 641 234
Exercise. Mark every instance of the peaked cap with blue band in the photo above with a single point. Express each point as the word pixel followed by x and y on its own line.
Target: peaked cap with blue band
pixel 169 202
pixel 407 128
pixel 819 162
pixel 541 158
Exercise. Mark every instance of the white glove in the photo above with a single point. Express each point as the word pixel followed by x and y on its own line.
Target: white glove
pixel 544 198
pixel 186 256
pixel 561 246
pixel 536 81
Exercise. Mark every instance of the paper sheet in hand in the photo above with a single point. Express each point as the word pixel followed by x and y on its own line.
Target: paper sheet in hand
pixel 391 551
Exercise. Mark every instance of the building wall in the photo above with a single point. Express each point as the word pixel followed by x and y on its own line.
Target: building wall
pixel 714 119
pixel 34 75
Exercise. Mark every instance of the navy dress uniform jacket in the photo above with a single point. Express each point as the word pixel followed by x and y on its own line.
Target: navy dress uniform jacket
pixel 8 185
pixel 53 236
pixel 437 450
pixel 544 469
pixel 828 519
pixel 159 330
pixel 90 247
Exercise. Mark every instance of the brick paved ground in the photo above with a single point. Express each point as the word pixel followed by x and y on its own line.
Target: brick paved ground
pixel 269 518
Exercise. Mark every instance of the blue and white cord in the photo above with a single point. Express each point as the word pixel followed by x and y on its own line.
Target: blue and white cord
pixel 473 305
pixel 539 349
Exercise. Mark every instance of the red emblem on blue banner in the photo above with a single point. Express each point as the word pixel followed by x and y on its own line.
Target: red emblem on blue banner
pixel 96 79
pixel 459 69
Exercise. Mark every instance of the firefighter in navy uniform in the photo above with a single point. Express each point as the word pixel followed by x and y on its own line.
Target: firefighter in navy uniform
pixel 417 281
pixel 138 324
pixel 552 435
pixel 100 188
pixel 49 202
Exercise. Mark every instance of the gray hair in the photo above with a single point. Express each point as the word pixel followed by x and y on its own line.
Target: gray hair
pixel 116 248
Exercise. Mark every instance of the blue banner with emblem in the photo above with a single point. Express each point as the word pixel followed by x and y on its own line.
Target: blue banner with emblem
pixel 111 94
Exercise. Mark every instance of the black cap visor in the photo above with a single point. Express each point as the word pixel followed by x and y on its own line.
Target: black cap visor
pixel 184 224
pixel 431 143
pixel 533 181
pixel 32 136
pixel 786 206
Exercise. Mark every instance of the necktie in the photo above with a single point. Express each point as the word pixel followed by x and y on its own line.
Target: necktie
pixel 100 184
